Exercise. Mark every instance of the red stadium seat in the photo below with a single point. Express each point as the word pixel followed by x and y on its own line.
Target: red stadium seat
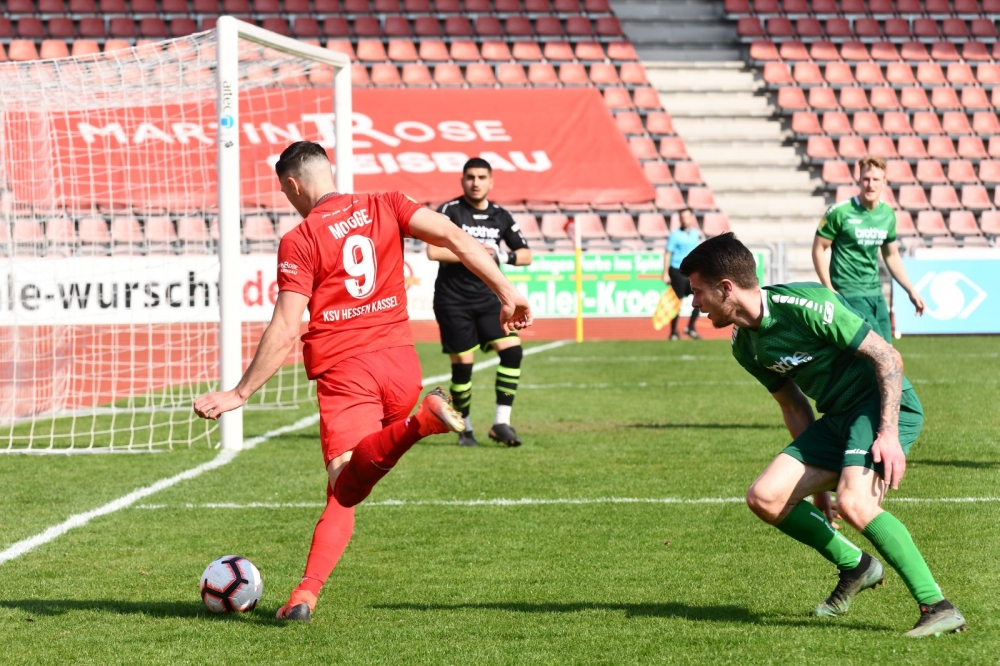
pixel 749 27
pixel 988 74
pixel 359 75
pixel 805 123
pixel 336 26
pixel 687 174
pixel 471 6
pixel 371 50
pixel 403 50
pixel 963 223
pixel 528 52
pixel 836 123
pixel 511 74
pixel 561 51
pixel 806 74
pixel 550 26
pixel 941 147
pixel 619 51
pixel 820 148
pixel 632 73
pixel 896 123
pixel 912 148
pixel 153 27
pixel 777 74
pixel 416 74
pixel 53 48
pixel 985 123
pixel 989 172
pixel 899 74
pixel 528 226
pixel 493 52
pixel 972 148
pixel 82 47
pixel 367 26
pixel 853 99
pixel 836 172
pixel 620 226
pixel 607 26
pixel 984 29
pixel 960 74
pixel 914 99
pixel 913 197
pixel 601 74
pixel 904 224
pixel 792 99
pixel 952 28
pixel 669 198
pixel 652 226
pixel 944 197
pixel 277 25
pixel 823 51
pixel 870 74
pixel 839 74
pixel 643 148
pixel 793 51
pixel 839 28
pixel 617 98
pixel 647 98
pixel 854 52
pixel 945 98
pixel 914 52
pixel 931 223
pixel 764 51
pixel 554 226
pixel 385 75
pixel 851 148
pixel 975 52
pixel 479 74
pixel 822 99
pixel 458 26
pixel 867 28
pixel 975 197
pixel 629 122
pixel 461 51
pixel 898 172
pixel 944 52
pixel 448 74
pixel 658 173
pixel 884 52
pixel 882 146
pixel 926 123
pixel 544 74
pixel 809 28
pixel 61 27
pixel 399 26
pixel 930 74
pixel 962 172
pixel 21 50
pixel 884 98
pixel 342 46
pixel 989 222
pixel 183 26
pixel 923 28
pixel 929 172
pixel 357 6
pixel 956 123
pixel 488 26
pixel 518 26
pixel 659 123
pixel 716 224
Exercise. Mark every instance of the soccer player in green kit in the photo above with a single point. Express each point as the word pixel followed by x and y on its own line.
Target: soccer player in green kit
pixel 801 340
pixel 857 229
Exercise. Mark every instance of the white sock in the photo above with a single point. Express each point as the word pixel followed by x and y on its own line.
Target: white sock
pixel 468 424
pixel 503 414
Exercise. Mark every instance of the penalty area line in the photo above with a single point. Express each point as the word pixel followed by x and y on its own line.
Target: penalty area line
pixel 223 458
pixel 529 501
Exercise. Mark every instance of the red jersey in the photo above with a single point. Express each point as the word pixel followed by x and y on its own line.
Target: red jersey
pixel 347 257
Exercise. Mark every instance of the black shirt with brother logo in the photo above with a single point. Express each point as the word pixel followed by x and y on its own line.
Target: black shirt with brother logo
pixel 456 285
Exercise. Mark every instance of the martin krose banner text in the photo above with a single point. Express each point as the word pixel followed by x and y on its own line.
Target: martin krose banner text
pixel 558 145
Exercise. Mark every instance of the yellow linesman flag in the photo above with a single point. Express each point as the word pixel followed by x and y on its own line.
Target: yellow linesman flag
pixel 666 309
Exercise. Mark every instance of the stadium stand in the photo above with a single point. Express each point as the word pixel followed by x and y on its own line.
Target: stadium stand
pixel 915 83
pixel 408 43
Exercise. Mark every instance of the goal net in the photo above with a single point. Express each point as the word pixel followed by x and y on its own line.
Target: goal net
pixel 139 222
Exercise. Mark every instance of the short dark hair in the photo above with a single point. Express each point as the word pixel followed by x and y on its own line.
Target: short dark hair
pixel 722 258
pixel 477 163
pixel 297 154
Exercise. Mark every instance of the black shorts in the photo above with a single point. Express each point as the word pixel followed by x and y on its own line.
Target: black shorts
pixel 681 285
pixel 467 327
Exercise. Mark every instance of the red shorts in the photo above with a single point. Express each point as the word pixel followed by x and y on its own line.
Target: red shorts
pixel 363 394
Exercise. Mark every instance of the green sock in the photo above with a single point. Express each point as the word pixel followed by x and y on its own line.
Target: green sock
pixel 807 524
pixel 892 540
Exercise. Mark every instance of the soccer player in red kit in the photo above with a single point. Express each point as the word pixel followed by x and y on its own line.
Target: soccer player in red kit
pixel 345 262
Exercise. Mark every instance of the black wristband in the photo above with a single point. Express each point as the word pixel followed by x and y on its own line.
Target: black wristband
pixel 512 258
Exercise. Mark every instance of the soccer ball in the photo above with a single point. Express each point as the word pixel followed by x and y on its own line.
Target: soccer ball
pixel 231 584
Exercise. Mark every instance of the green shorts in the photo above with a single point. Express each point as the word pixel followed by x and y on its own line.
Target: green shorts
pixel 874 311
pixel 843 440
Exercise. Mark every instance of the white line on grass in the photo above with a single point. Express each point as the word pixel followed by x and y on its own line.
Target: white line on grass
pixel 528 501
pixel 223 458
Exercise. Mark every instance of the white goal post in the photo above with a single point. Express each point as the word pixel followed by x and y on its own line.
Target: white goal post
pixel 139 221
pixel 230 31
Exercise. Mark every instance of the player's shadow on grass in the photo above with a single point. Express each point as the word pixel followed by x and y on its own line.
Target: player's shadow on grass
pixel 36 608
pixel 707 426
pixel 668 609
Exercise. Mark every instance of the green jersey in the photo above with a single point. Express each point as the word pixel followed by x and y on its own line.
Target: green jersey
pixel 857 234
pixel 809 334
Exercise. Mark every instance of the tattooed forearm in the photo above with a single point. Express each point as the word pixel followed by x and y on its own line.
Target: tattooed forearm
pixel 889 375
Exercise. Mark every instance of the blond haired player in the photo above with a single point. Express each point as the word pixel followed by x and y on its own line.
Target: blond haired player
pixel 857 229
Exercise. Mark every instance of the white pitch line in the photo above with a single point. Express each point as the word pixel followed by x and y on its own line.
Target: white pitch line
pixel 223 458
pixel 528 501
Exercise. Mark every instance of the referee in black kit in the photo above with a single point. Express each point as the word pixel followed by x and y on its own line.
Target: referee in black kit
pixel 467 312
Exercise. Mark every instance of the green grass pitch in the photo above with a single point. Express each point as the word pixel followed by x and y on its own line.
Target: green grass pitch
pixel 592 582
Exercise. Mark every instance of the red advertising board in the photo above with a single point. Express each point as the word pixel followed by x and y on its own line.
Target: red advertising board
pixel 545 145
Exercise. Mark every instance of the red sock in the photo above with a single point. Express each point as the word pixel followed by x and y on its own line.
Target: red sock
pixel 372 459
pixel 330 538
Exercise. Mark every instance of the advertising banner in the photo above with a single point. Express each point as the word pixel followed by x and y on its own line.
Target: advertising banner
pixel 545 145
pixel 960 296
